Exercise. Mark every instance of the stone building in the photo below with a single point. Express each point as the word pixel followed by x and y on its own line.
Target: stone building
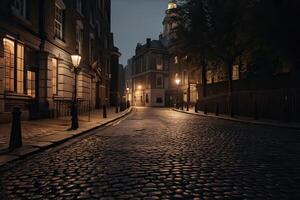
pixel 149 74
pixel 37 39
pixel 156 65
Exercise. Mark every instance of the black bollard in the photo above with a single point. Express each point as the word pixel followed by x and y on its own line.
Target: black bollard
pixel 196 107
pixel 117 109
pixel 104 111
pixel 187 107
pixel 16 132
pixel 182 106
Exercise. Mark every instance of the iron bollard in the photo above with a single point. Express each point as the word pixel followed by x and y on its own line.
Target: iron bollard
pixel 182 106
pixel 104 111
pixel 196 107
pixel 16 132
pixel 117 109
pixel 187 107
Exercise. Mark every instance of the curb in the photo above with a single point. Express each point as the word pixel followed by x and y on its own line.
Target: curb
pixel 241 120
pixel 13 156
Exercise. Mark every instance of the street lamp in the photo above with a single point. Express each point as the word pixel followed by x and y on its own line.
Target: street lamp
pixel 76 58
pixel 177 81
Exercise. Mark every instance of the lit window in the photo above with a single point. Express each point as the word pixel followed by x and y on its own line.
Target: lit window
pixel 59 19
pixel 55 76
pixel 79 6
pixel 31 90
pixel 9 63
pixel 172 5
pixel 19 8
pixel 176 59
pixel 159 64
pixel 20 69
pixel 235 72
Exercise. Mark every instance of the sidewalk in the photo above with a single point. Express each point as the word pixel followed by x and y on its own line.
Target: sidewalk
pixel 42 134
pixel 242 119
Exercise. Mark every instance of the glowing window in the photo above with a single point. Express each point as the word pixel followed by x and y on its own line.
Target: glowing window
pixel 31 81
pixel 54 76
pixel 9 58
pixel 20 69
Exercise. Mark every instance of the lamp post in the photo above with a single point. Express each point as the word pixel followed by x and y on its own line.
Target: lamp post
pixel 76 58
pixel 177 81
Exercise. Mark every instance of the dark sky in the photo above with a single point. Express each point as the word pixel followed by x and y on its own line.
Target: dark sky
pixel 135 20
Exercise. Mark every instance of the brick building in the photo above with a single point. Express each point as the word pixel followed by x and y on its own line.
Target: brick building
pixel 37 39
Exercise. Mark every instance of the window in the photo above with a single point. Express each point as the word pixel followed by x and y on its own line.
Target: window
pixel 79 36
pixel 79 6
pixel 159 65
pixel 9 63
pixel 176 59
pixel 14 71
pixel 92 18
pixel 55 76
pixel 91 48
pixel 159 100
pixel 235 72
pixel 159 81
pixel 59 19
pixel 19 8
pixel 20 69
pixel 31 90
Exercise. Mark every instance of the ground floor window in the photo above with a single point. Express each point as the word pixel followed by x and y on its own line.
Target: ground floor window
pixel 9 64
pixel 159 100
pixel 31 84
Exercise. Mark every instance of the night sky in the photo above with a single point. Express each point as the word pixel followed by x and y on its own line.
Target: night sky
pixel 135 20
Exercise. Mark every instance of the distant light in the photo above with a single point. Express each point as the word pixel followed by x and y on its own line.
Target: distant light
pixel 172 5
pixel 139 87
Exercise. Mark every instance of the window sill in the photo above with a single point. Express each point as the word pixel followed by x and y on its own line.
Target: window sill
pixel 20 17
pixel 60 41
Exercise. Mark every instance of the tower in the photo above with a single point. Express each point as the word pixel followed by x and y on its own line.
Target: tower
pixel 169 22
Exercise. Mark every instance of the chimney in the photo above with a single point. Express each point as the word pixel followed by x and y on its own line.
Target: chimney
pixel 148 42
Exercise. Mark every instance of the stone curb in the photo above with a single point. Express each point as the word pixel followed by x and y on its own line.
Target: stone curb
pixel 262 123
pixel 19 154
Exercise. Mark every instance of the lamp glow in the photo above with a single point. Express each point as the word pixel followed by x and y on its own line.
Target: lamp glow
pixel 76 58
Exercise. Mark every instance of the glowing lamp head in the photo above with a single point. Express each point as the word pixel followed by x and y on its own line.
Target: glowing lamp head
pixel 172 5
pixel 127 89
pixel 139 87
pixel 76 58
pixel 177 81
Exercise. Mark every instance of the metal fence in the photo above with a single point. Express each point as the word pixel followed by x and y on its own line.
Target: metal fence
pixel 62 108
pixel 281 104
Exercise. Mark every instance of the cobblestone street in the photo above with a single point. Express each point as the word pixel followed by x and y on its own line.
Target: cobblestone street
pixel 163 154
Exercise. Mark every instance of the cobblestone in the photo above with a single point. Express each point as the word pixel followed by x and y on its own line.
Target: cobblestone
pixel 162 154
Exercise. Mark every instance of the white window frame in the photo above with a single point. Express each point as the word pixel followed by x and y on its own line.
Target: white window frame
pixel 59 19
pixel 79 6
pixel 79 35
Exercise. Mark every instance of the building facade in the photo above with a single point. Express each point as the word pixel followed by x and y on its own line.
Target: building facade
pixel 37 39
pixel 149 74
